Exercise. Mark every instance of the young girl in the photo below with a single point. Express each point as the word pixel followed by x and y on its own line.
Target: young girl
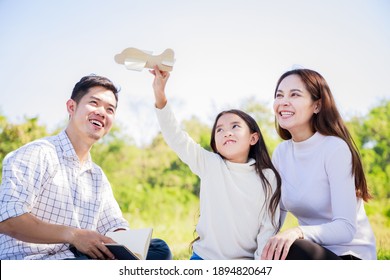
pixel 324 185
pixel 240 188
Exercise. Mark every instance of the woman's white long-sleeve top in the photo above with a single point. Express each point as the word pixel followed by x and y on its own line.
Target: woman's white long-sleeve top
pixel 318 188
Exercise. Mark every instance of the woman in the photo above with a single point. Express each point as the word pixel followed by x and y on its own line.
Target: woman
pixel 323 183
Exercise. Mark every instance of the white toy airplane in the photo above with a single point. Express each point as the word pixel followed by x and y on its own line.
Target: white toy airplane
pixel 135 59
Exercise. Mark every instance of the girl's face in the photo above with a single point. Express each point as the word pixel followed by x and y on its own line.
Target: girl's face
pixel 233 138
pixel 294 108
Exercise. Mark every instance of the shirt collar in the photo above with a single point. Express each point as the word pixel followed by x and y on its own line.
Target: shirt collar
pixel 69 152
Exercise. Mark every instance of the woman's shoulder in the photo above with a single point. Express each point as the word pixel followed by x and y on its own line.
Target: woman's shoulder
pixel 283 146
pixel 335 142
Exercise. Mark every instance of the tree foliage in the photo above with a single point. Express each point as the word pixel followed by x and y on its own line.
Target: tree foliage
pixel 372 136
pixel 12 136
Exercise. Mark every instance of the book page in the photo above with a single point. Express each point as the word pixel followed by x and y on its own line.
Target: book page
pixel 136 240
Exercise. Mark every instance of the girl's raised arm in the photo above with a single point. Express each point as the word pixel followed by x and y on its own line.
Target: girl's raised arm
pixel 159 82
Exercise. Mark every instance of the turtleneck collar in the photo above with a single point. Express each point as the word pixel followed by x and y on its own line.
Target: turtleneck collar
pixel 310 143
pixel 241 167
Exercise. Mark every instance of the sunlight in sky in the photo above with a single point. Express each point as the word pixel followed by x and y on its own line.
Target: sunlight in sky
pixel 225 51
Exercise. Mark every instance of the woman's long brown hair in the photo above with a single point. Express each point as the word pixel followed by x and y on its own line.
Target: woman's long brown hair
pixel 328 121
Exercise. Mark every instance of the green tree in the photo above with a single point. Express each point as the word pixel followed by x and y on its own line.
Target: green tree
pixel 164 165
pixel 375 142
pixel 12 136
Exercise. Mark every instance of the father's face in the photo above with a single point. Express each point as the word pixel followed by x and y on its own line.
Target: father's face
pixel 93 116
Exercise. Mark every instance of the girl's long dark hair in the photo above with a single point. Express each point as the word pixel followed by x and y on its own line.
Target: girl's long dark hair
pixel 259 152
pixel 328 121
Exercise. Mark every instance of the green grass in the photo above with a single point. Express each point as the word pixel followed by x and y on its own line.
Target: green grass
pixel 176 224
pixel 172 213
pixel 379 214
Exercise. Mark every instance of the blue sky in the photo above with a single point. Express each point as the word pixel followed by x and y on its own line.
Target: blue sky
pixel 225 51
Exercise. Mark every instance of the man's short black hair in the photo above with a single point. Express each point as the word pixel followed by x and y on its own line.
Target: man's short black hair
pixel 87 82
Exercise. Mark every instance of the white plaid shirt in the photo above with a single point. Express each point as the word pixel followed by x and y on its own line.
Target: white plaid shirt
pixel 45 178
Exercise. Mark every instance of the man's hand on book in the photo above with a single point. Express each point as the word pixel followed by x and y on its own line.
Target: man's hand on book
pixel 92 243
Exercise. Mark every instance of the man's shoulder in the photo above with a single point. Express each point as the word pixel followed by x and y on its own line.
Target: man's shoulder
pixel 36 148
pixel 46 144
pixel 96 168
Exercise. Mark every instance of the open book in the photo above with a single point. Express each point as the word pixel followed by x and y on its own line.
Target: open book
pixel 132 244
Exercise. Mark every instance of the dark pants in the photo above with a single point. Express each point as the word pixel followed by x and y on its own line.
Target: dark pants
pixel 303 249
pixel 158 250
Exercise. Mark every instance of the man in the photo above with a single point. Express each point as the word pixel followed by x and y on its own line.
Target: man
pixel 53 199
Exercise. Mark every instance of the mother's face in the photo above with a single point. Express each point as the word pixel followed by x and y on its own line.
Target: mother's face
pixel 294 107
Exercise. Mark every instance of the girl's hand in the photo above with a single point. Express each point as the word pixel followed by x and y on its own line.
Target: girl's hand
pixel 278 246
pixel 159 82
